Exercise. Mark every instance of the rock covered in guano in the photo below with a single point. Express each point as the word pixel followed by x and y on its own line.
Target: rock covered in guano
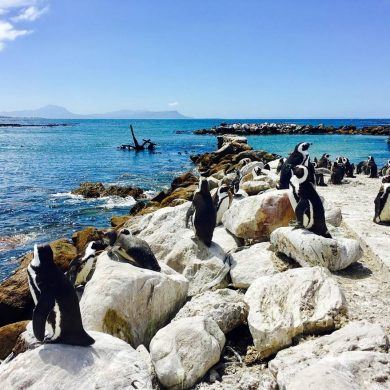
pixel 256 217
pixel 185 350
pixel 109 363
pixel 294 302
pixel 129 302
pixel 309 249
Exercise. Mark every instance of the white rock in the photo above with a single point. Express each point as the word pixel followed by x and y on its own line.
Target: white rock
pixel 225 239
pixel 257 216
pixel 165 232
pixel 348 371
pixel 109 363
pixel 356 336
pixel 291 303
pixel 213 182
pixel 185 350
pixel 248 168
pixel 130 302
pixel 333 216
pixel 226 307
pixel 309 249
pixel 254 187
pixel 249 264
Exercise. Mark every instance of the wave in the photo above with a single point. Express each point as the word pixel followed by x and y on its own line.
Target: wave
pixel 11 242
pixel 112 202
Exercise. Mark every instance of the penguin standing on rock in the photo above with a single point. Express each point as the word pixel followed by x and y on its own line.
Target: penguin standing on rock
pixel 382 202
pixel 202 213
pixel 55 301
pixel 306 202
pixel 134 250
pixel 300 156
pixel 222 200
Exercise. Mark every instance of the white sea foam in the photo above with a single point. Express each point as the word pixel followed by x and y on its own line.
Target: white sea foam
pixel 11 242
pixel 111 202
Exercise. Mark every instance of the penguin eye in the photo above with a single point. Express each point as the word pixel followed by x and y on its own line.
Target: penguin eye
pixel 125 232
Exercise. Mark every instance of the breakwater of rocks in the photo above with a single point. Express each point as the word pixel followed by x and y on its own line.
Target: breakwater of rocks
pixel 290 128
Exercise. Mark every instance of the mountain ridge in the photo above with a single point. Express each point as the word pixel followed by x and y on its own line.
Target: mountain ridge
pixel 58 112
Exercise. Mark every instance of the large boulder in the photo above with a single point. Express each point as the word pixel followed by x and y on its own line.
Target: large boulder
pixel 254 187
pixel 226 307
pixel 185 350
pixel 251 263
pixel 82 237
pixel 291 303
pixel 16 303
pixel 129 302
pixel 256 217
pixel 8 336
pixel 109 363
pixel 356 336
pixel 165 232
pixel 353 370
pixel 309 249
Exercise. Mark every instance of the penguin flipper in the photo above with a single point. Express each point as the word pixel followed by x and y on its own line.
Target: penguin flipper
pixel 189 214
pixel 42 310
pixel 300 210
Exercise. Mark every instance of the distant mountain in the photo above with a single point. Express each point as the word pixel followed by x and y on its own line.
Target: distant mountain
pixel 58 112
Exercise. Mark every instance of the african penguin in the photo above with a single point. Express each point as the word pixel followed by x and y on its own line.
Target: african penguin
pixel 280 164
pixel 202 213
pixel 134 250
pixel 306 202
pixel 337 173
pixel 300 156
pixel 382 202
pixel 53 293
pixel 372 169
pixel 222 200
pixel 235 184
pixel 323 162
pixel 349 168
pixel 385 170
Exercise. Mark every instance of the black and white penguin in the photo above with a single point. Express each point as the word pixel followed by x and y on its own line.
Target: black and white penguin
pixel 134 250
pixel 385 170
pixel 306 202
pixel 324 161
pixel 222 200
pixel 372 169
pixel 202 213
pixel 235 184
pixel 337 173
pixel 349 168
pixel 382 202
pixel 54 295
pixel 280 164
pixel 300 156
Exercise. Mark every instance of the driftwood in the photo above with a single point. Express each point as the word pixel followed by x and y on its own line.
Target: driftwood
pixel 147 143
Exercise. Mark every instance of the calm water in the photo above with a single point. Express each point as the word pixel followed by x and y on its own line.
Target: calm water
pixel 39 167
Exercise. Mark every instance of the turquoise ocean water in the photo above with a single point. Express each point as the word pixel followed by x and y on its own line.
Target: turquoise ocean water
pixel 40 165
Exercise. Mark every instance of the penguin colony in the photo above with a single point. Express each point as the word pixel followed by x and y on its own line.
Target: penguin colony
pixel 56 295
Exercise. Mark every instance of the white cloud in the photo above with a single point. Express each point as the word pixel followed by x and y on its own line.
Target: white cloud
pixel 9 33
pixel 173 104
pixel 13 12
pixel 30 14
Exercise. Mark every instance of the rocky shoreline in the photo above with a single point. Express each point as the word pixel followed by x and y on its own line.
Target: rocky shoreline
pixel 290 128
pixel 249 312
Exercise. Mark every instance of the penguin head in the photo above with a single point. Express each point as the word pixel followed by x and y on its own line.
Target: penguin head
pixel 326 155
pixel 257 171
pixel 110 237
pixel 204 186
pixel 223 192
pixel 370 158
pixel 43 255
pixel 303 148
pixel 300 172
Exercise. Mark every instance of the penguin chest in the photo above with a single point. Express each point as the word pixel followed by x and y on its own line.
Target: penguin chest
pixel 57 322
pixel 223 207
pixel 85 271
pixel 308 217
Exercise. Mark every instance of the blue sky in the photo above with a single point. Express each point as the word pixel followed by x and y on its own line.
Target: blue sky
pixel 219 58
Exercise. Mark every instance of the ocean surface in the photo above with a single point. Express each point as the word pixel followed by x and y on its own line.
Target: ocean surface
pixel 39 166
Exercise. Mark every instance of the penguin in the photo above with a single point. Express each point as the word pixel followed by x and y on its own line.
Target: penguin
pixel 306 202
pixel 323 162
pixel 235 184
pixel 382 202
pixel 55 297
pixel 385 170
pixel 222 200
pixel 202 213
pixel 134 250
pixel 337 173
pixel 372 169
pixel 361 167
pixel 300 156
pixel 280 164
pixel 349 168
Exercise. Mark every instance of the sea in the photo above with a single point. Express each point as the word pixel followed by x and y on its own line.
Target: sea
pixel 39 166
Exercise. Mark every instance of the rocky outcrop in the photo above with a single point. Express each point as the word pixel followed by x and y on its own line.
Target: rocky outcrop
pixel 8 336
pixel 131 303
pixel 82 237
pixel 226 307
pixel 185 350
pixel 266 128
pixel 356 336
pixel 309 249
pixel 108 363
pixel 99 190
pixel 16 303
pixel 291 303
pixel 251 263
pixel 256 217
